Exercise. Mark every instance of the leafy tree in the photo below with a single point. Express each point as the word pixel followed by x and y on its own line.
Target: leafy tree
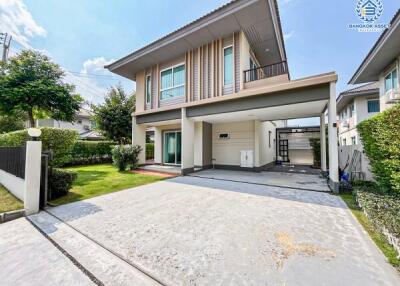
pixel 30 82
pixel 9 123
pixel 113 118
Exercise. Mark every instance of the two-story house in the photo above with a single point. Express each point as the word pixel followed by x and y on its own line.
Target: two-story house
pixel 353 106
pixel 215 89
pixel 83 124
pixel 383 64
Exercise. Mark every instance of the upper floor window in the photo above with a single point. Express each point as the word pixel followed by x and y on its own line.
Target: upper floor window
pixel 148 89
pixel 373 106
pixel 352 110
pixel 391 81
pixel 228 65
pixel 353 140
pixel 173 82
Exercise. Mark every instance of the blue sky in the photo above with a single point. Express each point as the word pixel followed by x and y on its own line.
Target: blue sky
pixel 84 35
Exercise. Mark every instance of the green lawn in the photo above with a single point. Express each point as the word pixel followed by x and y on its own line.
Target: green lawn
pixel 96 180
pixel 8 202
pixel 379 239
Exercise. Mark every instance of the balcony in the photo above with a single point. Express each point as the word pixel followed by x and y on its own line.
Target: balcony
pixel 278 71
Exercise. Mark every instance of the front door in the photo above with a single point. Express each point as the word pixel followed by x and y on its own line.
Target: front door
pixel 172 147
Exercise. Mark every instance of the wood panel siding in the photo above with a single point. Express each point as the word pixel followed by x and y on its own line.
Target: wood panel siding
pixel 196 79
pixel 237 61
pixel 204 73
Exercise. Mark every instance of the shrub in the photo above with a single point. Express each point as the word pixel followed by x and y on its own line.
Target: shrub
pixel 60 182
pixel 382 209
pixel 149 151
pixel 380 136
pixel 59 141
pixel 126 156
pixel 90 152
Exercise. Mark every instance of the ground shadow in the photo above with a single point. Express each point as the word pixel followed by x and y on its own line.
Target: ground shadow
pixel 283 193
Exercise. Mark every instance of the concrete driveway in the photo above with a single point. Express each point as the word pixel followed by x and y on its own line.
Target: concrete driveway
pixel 201 231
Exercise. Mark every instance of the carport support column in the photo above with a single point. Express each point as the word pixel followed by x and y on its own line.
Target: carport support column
pixel 139 138
pixel 187 160
pixel 157 145
pixel 323 143
pixel 333 145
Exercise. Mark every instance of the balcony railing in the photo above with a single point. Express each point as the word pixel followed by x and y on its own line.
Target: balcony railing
pixel 266 71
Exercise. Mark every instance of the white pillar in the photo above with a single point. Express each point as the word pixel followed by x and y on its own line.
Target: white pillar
pixel 257 143
pixel 187 160
pixel 32 176
pixel 333 141
pixel 139 138
pixel 157 145
pixel 323 142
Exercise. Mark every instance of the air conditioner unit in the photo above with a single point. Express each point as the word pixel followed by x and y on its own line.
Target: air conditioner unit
pixel 345 124
pixel 394 95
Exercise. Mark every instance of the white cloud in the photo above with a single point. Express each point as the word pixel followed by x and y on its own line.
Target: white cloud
pixel 93 80
pixel 287 36
pixel 96 65
pixel 285 1
pixel 16 20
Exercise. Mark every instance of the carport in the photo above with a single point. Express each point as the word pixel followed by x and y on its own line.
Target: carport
pixel 215 131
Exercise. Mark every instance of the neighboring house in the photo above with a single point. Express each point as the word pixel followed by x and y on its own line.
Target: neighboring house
pixel 216 89
pixel 354 106
pixel 83 125
pixel 383 64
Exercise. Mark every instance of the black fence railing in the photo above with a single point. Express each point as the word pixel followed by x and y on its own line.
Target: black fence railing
pixel 12 160
pixel 265 71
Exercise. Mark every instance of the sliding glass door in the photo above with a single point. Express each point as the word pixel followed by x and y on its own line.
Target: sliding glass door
pixel 172 147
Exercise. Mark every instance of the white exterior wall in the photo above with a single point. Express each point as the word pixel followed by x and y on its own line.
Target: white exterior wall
pixel 383 97
pixel 268 151
pixel 242 137
pixel 246 135
pixel 79 127
pixel 12 183
pixel 361 113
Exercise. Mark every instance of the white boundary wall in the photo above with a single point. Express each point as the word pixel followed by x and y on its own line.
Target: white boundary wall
pixel 346 153
pixel 28 189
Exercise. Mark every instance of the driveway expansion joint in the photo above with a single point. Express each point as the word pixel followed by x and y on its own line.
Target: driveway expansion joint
pixel 90 275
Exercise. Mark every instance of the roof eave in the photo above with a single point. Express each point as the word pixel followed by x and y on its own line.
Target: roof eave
pixel 375 49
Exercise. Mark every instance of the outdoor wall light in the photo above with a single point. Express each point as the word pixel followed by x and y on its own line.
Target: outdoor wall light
pixel 34 133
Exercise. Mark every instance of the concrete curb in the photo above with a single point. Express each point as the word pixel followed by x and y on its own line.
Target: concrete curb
pixel 11 215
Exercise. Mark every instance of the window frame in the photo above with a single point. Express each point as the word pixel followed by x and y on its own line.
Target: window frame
pixel 173 80
pixel 148 88
pixel 376 100
pixel 353 140
pixel 223 65
pixel 393 79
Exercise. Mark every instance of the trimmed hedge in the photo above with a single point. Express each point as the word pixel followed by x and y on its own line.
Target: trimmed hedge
pixel 380 136
pixel 149 151
pixel 383 210
pixel 59 141
pixel 60 182
pixel 91 152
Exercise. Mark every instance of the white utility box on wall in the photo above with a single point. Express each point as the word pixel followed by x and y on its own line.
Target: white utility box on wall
pixel 247 158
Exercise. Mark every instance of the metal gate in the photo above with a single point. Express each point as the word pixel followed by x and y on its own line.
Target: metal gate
pixel 284 150
pixel 44 179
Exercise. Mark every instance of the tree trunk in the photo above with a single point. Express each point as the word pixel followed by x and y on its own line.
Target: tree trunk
pixel 31 119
